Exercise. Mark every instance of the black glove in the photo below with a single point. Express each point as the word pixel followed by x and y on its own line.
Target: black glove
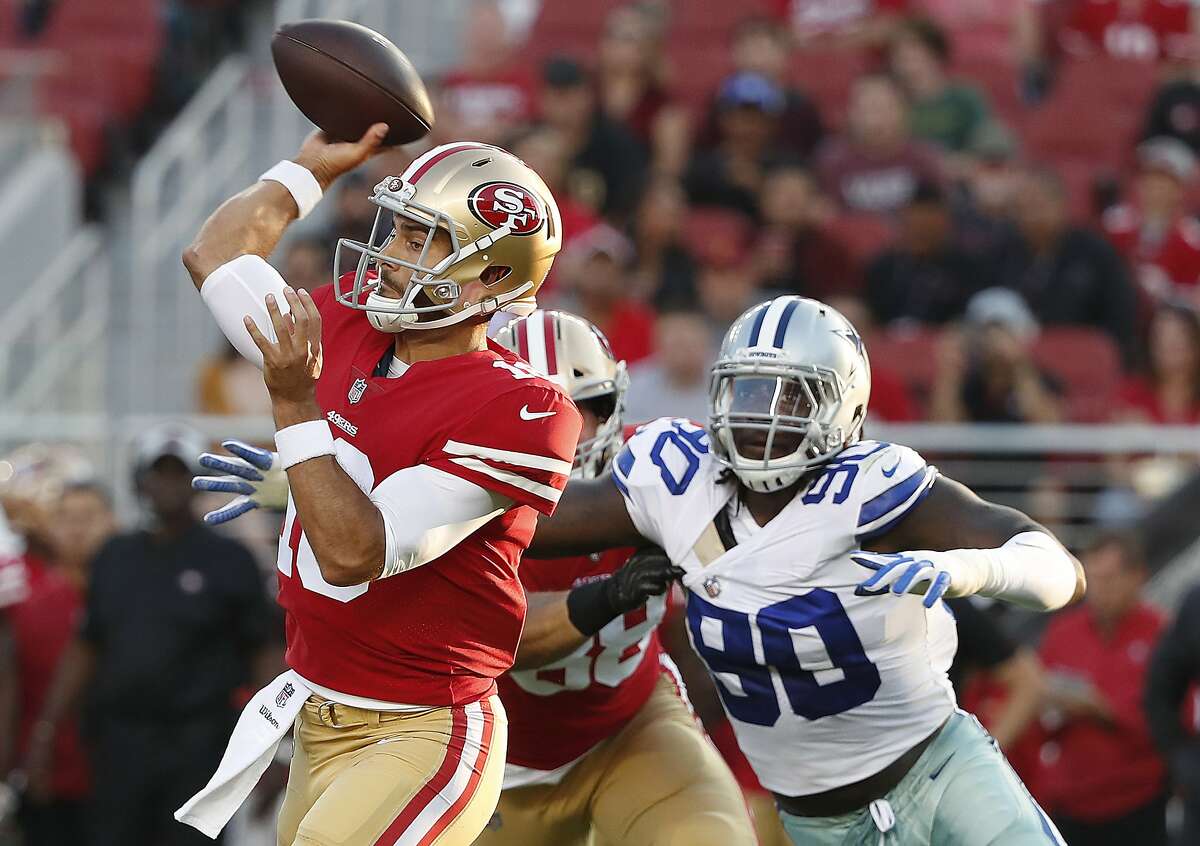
pixel 647 573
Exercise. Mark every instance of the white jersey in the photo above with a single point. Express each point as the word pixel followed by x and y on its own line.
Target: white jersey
pixel 825 684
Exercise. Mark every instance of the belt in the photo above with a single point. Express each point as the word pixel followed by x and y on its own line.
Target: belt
pixel 326 712
pixel 860 794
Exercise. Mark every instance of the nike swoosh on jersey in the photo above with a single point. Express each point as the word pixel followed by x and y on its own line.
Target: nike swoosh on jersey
pixel 938 771
pixel 892 472
pixel 526 414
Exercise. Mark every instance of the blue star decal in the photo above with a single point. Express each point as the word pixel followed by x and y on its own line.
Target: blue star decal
pixel 851 336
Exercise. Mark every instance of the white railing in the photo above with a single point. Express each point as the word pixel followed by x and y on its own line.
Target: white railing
pixel 54 351
pixel 203 157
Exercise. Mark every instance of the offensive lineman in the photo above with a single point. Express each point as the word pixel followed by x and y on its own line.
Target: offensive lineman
pixel 837 692
pixel 418 456
pixel 599 736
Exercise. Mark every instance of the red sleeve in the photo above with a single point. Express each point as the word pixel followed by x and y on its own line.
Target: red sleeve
pixel 520 444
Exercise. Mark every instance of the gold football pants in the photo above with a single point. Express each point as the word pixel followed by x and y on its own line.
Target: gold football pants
pixel 370 778
pixel 657 782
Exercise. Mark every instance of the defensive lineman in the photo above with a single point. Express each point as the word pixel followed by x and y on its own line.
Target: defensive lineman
pixel 835 684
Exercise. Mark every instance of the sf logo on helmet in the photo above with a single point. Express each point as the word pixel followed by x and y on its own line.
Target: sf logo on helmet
pixel 500 203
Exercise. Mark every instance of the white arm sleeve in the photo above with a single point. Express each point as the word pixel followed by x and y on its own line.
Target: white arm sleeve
pixel 427 512
pixel 237 288
pixel 1031 570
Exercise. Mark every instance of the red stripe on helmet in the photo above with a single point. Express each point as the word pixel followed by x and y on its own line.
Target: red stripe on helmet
pixel 434 159
pixel 548 326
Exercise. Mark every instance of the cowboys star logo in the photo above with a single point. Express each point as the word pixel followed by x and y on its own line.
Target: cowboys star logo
pixel 505 203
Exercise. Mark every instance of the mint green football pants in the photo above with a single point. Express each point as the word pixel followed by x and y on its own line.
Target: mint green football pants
pixel 961 792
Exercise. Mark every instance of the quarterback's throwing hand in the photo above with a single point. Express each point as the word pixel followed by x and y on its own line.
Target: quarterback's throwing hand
pixel 251 472
pixel 292 363
pixel 929 574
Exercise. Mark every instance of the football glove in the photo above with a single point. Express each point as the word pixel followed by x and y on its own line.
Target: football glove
pixel 927 574
pixel 648 572
pixel 252 473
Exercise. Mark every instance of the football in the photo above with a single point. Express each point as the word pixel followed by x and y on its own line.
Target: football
pixel 345 77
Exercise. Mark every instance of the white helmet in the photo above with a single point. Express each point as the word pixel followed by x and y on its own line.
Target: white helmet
pixel 574 354
pixel 499 215
pixel 790 386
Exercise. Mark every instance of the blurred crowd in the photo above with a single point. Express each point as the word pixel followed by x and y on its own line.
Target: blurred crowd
pixel 1000 195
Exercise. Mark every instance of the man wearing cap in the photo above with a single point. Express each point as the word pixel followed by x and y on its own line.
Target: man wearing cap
pixel 176 622
pixel 1154 233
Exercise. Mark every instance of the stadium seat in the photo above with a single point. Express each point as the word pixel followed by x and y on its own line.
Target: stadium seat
pixel 827 76
pixel 864 235
pixel 1087 364
pixel 912 353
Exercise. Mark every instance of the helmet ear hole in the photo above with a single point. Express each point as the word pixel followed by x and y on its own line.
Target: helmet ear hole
pixel 495 273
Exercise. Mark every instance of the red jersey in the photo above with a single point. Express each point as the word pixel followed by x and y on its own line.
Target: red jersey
pixel 559 712
pixel 490 103
pixel 42 621
pixel 818 17
pixel 1149 31
pixel 438 634
pixel 1163 260
pixel 1090 770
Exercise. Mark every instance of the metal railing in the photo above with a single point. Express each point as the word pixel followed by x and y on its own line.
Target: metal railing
pixel 203 157
pixel 54 356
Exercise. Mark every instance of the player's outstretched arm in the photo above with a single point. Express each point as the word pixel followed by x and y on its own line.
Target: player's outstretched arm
pixel 252 222
pixel 590 517
pixel 967 546
pixel 558 623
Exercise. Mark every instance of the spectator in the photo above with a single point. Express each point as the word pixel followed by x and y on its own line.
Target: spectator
pixel 991 378
pixel 1141 30
pixel 1174 111
pixel 1169 390
pixel 543 149
pixel 731 173
pixel 491 93
pixel 663 269
pixel 606 162
pixel 631 87
pixel 1068 275
pixel 1173 675
pixel 84 522
pixel 983 205
pixel 726 281
pixel 176 622
pixel 926 277
pixel 39 620
pixel 761 45
pixel 875 166
pixel 820 23
pixel 1155 234
pixel 941 110
pixel 674 381
pixel 1101 778
pixel 307 264
pixel 228 384
pixel 989 667
pixel 597 288
pixel 353 215
pixel 794 251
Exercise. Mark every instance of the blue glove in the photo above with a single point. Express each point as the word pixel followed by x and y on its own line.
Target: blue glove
pixel 252 473
pixel 922 573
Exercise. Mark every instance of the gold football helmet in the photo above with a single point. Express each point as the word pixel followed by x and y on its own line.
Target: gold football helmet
pixel 575 355
pixel 503 225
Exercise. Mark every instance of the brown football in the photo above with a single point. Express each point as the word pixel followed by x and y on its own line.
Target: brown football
pixel 345 77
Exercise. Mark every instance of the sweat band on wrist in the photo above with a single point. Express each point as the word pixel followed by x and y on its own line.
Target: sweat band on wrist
pixel 310 439
pixel 590 607
pixel 299 181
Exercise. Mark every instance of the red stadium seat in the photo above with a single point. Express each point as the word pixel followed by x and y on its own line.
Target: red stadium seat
pixel 912 354
pixel 827 76
pixel 864 235
pixel 1087 363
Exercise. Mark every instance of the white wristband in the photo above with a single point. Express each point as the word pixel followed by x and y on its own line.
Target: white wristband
pixel 299 181
pixel 303 441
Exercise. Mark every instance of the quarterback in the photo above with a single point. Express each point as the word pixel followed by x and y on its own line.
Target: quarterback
pixel 819 623
pixel 418 456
